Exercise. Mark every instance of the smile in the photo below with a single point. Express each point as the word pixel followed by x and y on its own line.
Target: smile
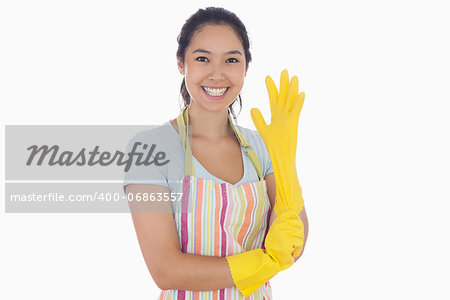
pixel 215 92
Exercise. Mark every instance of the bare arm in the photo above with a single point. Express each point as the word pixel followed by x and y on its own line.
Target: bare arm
pixel 271 192
pixel 169 267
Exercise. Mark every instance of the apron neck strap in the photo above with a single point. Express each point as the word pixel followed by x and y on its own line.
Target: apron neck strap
pixel 185 135
pixel 184 131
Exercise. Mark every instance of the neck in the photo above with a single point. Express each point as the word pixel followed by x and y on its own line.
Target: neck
pixel 209 124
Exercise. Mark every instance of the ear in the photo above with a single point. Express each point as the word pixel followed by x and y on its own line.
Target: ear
pixel 180 66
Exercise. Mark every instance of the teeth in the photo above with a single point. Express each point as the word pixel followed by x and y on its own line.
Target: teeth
pixel 215 92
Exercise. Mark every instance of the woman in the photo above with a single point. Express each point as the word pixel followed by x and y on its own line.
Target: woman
pixel 216 241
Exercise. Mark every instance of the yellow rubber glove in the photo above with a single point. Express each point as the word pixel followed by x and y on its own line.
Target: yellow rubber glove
pixel 284 241
pixel 287 224
pixel 280 138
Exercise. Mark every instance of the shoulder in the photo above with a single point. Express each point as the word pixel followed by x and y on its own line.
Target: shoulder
pixel 252 136
pixel 255 140
pixel 161 137
pixel 162 132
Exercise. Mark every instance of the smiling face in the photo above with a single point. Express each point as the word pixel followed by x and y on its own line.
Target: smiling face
pixel 214 67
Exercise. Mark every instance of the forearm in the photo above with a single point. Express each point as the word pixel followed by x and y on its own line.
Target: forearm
pixel 197 273
pixel 289 191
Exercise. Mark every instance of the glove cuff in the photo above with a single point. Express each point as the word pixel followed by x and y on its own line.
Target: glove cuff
pixel 251 269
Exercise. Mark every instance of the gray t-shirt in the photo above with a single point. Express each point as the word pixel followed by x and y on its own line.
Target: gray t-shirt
pixel 166 139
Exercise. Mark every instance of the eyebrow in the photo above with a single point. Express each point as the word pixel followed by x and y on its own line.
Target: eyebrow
pixel 206 51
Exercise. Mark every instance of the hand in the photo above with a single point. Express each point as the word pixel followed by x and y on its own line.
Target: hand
pixel 280 138
pixel 284 241
pixel 285 238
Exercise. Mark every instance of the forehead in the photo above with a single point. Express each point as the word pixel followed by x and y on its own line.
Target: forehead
pixel 216 38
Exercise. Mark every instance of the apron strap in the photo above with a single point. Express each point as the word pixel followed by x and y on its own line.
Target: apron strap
pixel 247 149
pixel 184 133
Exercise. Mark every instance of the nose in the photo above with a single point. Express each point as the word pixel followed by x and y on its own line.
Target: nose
pixel 216 73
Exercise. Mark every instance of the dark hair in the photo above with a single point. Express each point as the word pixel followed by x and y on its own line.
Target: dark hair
pixel 211 16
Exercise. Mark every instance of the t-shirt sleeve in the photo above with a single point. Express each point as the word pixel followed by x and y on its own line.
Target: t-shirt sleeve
pixel 147 165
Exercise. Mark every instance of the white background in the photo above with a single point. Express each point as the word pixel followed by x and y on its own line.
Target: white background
pixel 373 152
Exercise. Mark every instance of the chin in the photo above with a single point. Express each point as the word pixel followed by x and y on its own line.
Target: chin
pixel 211 107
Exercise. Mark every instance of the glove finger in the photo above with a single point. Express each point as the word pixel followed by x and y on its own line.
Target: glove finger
pixel 296 233
pixel 296 243
pixel 297 224
pixel 292 93
pixel 259 121
pixel 272 91
pixel 294 221
pixel 289 232
pixel 284 82
pixel 297 227
pixel 297 107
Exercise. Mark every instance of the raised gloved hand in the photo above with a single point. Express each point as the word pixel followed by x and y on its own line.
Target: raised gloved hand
pixel 280 138
pixel 284 241
pixel 285 238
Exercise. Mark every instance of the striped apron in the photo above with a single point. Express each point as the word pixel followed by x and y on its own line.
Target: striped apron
pixel 218 219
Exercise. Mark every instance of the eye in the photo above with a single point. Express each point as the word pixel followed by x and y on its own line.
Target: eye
pixel 201 58
pixel 232 60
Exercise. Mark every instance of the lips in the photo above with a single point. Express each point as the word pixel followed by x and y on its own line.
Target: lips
pixel 215 91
